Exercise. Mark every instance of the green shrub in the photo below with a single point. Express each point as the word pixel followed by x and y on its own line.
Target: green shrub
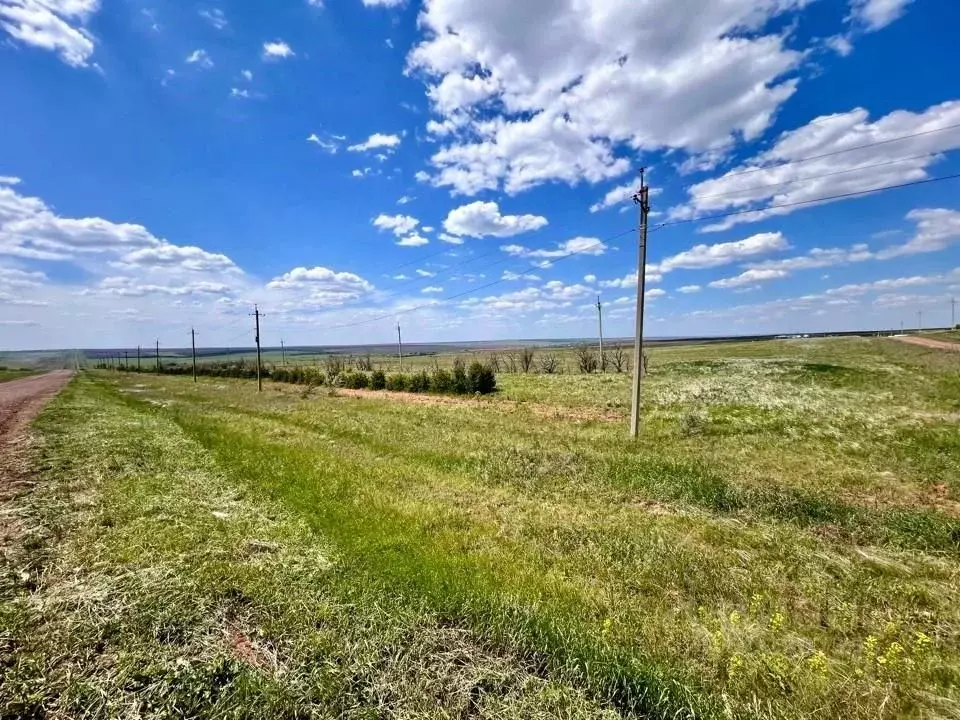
pixel 461 383
pixel 442 381
pixel 419 382
pixel 398 382
pixel 378 381
pixel 482 380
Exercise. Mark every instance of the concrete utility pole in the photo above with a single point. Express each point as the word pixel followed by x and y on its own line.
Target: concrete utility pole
pixel 193 347
pixel 641 198
pixel 126 361
pixel 953 313
pixel 283 352
pixel 603 361
pixel 256 315
pixel 158 357
pixel 400 346
pixel 919 321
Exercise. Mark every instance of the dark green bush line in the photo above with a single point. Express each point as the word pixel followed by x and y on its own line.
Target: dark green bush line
pixel 477 379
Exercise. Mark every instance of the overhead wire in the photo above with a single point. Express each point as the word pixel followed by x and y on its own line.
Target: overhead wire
pixel 651 229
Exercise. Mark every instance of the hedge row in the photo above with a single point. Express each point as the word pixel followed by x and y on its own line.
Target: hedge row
pixel 478 379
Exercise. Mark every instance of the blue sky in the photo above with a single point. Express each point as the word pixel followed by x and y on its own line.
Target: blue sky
pixel 465 168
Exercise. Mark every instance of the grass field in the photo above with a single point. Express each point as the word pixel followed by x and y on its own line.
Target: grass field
pixel 783 542
pixel 14 374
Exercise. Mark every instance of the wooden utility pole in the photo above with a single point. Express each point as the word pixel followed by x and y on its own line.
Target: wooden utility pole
pixel 158 357
pixel 138 358
pixel 193 347
pixel 641 198
pixel 919 321
pixel 283 352
pixel 256 315
pixel 603 360
pixel 400 346
pixel 126 361
pixel 953 313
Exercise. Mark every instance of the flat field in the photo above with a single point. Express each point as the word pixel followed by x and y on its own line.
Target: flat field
pixel 782 542
pixel 14 374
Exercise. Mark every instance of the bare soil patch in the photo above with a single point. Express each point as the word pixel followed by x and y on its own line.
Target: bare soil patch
pixel 20 402
pixel 929 343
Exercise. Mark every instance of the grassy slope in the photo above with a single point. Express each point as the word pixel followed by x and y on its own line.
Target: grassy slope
pixel 782 542
pixel 15 374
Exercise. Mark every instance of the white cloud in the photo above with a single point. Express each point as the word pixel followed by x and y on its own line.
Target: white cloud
pixel 9 180
pixel 453 240
pixel 384 3
pixel 215 17
pixel 54 25
pixel 425 273
pixel 322 285
pixel 818 258
pixel 749 277
pixel 406 199
pixel 512 276
pixel 201 58
pixel 377 140
pixel 654 293
pixel 689 289
pixel 185 257
pixel 937 229
pixel 574 246
pixel 590 279
pixel 241 93
pixel 483 219
pixel 708 256
pixel 277 50
pixel 567 99
pixel 774 177
pixel 247 75
pixel 397 224
pixel 133 287
pixel 11 278
pixel 432 289
pixel 413 240
pixel 327 144
pixel 652 275
pixel 315 3
pixel 876 14
pixel 357 173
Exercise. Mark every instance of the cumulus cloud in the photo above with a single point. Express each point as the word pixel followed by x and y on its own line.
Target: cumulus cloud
pixel 689 289
pixel 58 26
pixel 323 285
pixel 830 155
pixel 483 219
pixel 328 143
pixel 650 75
pixel 413 240
pixel 200 58
pixel 184 257
pixel 377 140
pixel 134 287
pixel 937 229
pixel 709 256
pixel 749 277
pixel 876 14
pixel 215 17
pixel 397 224
pixel 574 246
pixel 277 50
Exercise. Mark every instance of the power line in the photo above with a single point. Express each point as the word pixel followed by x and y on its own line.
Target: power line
pixel 840 196
pixel 660 226
pixel 838 152
pixel 812 177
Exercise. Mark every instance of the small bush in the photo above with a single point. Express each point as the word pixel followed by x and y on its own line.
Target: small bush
pixel 398 382
pixel 461 383
pixel 442 381
pixel 419 382
pixel 378 381
pixel 482 379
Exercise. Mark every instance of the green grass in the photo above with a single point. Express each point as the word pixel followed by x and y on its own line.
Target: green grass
pixel 14 374
pixel 784 541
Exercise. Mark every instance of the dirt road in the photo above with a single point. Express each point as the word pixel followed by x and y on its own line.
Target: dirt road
pixel 21 400
pixel 929 343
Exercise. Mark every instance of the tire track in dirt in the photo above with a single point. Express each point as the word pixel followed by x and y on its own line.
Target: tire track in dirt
pixel 20 402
